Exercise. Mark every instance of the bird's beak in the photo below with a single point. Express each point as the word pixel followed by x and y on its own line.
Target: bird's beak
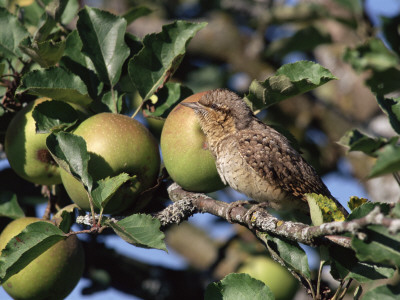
pixel 193 105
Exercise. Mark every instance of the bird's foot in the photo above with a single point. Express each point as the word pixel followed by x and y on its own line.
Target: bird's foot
pixel 248 217
pixel 235 204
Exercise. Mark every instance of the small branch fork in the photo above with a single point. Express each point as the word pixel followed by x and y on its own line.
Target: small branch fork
pixel 187 203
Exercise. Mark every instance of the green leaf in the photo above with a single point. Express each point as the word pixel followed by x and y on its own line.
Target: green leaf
pixel 384 82
pixel 102 35
pixel 383 292
pixel 48 24
pixel 316 214
pixel 372 55
pixel 9 206
pixel 238 286
pixel 53 116
pixel 357 141
pixel 380 246
pixel 390 28
pixel 26 246
pixel 167 98
pixel 10 38
pixel 73 50
pixel 108 103
pixel 106 188
pixel 160 57
pixel 305 39
pixel 57 84
pixel 290 252
pixel 345 265
pixel 388 161
pixel 135 45
pixel 327 209
pixel 81 65
pixel 380 61
pixel 364 209
pixel 46 54
pixel 70 152
pixel 65 217
pixel 61 10
pixel 391 107
pixel 140 230
pixel 290 80
pixel 136 12
pixel 69 12
pixel 33 14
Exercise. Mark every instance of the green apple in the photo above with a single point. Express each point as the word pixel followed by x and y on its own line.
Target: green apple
pixel 27 152
pixel 52 275
pixel 185 153
pixel 116 144
pixel 282 284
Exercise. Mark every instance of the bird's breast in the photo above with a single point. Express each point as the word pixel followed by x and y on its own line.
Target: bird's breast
pixel 235 171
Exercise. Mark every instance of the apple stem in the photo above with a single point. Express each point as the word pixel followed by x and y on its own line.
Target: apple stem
pixel 47 192
pixel 311 288
pixel 114 100
pixel 100 216
pixel 91 207
pixel 321 264
pixel 137 109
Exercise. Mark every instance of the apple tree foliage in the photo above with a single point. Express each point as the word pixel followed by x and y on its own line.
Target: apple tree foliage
pixel 95 64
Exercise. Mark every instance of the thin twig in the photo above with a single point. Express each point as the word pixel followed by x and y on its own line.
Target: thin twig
pixel 46 192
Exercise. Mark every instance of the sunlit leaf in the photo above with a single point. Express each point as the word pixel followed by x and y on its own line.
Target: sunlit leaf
pixel 328 209
pixel 70 152
pixel 379 246
pixel 289 80
pixel 102 35
pixel 161 55
pixel 57 84
pixel 238 286
pixel 26 246
pixel 106 188
pixel 140 230
pixel 357 141
pixel 290 252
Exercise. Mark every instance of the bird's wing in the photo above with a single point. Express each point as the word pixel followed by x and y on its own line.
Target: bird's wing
pixel 274 159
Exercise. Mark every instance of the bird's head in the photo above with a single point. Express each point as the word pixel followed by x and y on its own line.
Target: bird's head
pixel 221 109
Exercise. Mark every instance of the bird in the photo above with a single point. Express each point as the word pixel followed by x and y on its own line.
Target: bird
pixel 252 157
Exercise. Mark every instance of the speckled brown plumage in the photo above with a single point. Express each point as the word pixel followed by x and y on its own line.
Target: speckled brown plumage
pixel 252 157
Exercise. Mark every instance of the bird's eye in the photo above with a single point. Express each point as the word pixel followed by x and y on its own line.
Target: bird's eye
pixel 214 106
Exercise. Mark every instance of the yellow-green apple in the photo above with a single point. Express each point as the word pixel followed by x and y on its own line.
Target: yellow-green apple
pixel 51 275
pixel 282 284
pixel 116 144
pixel 185 153
pixel 27 152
